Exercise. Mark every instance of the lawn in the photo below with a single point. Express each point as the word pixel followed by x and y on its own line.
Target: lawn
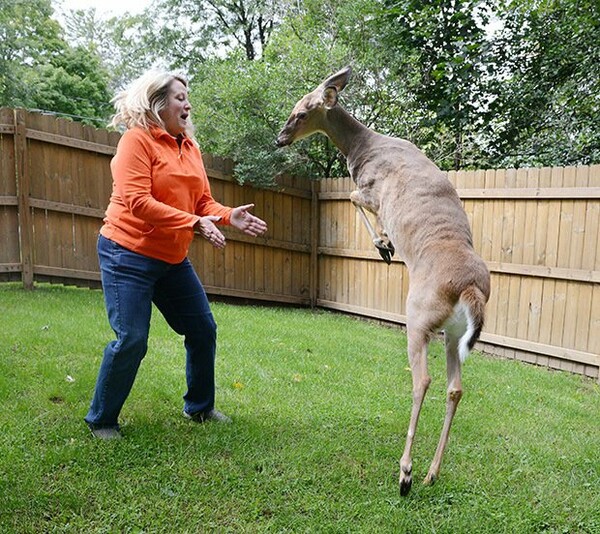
pixel 320 403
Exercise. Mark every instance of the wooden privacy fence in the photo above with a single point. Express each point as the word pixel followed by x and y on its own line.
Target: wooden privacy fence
pixel 537 229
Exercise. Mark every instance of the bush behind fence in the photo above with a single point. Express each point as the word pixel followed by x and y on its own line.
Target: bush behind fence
pixel 537 229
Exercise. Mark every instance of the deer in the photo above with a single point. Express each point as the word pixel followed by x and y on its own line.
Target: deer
pixel 420 216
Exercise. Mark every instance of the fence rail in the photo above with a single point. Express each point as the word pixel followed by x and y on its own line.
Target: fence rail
pixel 537 229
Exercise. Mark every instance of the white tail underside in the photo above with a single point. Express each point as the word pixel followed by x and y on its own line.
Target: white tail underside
pixel 460 326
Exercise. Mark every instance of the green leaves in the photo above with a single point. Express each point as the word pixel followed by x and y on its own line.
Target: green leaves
pixel 547 85
pixel 474 83
pixel 440 47
pixel 39 70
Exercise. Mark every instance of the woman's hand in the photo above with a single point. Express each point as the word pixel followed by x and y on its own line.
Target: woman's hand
pixel 208 230
pixel 240 218
pixel 243 220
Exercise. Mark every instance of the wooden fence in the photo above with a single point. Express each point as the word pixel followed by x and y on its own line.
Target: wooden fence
pixel 54 187
pixel 537 229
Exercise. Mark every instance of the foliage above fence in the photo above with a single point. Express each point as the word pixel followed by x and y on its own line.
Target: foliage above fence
pixel 537 229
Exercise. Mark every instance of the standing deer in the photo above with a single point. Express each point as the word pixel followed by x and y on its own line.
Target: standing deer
pixel 420 214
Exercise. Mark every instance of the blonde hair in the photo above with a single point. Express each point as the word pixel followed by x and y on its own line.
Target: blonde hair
pixel 139 105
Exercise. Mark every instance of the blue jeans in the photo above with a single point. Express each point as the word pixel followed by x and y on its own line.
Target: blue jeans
pixel 131 283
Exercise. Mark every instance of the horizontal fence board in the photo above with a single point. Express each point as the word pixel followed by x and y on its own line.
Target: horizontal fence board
pixel 531 193
pixel 539 271
pixel 10 267
pixel 509 268
pixel 70 142
pixel 66 208
pixel 9 201
pixel 549 193
pixel 362 310
pixel 540 348
pixel 65 273
pixel 7 129
pixel 255 295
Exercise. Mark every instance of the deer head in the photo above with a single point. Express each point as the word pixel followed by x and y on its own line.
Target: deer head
pixel 310 113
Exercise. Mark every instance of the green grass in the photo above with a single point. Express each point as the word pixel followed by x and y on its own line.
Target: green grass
pixel 320 403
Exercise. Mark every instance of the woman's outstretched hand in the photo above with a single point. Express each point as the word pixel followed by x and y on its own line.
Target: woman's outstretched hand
pixel 208 230
pixel 243 220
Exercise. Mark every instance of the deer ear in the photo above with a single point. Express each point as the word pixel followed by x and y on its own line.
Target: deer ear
pixel 330 97
pixel 339 80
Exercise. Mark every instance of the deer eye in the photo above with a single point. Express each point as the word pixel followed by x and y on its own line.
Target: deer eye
pixel 301 115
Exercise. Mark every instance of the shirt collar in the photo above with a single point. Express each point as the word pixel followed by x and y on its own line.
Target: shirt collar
pixel 158 133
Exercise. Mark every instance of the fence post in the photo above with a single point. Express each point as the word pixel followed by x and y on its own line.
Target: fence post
pixel 314 243
pixel 23 192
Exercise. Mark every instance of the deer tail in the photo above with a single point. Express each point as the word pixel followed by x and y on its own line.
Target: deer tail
pixel 473 302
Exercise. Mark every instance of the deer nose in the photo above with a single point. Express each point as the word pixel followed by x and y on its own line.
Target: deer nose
pixel 281 141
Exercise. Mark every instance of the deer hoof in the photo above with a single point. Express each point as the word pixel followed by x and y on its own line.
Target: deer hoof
pixel 386 250
pixel 387 257
pixel 405 485
pixel 405 480
pixel 430 479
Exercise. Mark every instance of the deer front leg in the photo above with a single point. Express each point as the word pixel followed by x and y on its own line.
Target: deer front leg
pixel 384 245
pixel 379 237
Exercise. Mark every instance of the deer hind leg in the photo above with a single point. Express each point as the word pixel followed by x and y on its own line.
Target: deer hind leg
pixel 417 354
pixel 378 236
pixel 454 394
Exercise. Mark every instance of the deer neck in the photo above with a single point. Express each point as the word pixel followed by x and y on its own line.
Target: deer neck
pixel 344 130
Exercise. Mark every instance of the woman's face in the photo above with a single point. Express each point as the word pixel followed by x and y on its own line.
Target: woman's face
pixel 175 114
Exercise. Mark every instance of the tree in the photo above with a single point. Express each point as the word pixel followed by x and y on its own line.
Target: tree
pixel 28 36
pixel 239 117
pixel 240 105
pixel 39 70
pixel 440 48
pixel 203 29
pixel 124 44
pixel 430 71
pixel 73 84
pixel 547 85
pixel 416 83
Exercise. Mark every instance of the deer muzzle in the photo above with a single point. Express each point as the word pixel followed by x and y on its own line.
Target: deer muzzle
pixel 282 139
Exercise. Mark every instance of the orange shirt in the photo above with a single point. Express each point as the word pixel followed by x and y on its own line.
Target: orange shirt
pixel 160 190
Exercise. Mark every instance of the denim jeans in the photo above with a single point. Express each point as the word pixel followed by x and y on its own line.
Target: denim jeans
pixel 131 283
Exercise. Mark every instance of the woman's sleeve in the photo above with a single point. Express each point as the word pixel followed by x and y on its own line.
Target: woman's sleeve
pixel 131 170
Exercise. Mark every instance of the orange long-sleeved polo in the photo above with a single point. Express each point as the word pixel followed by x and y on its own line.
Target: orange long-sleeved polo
pixel 160 190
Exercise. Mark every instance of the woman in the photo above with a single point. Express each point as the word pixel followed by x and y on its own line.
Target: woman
pixel 161 195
